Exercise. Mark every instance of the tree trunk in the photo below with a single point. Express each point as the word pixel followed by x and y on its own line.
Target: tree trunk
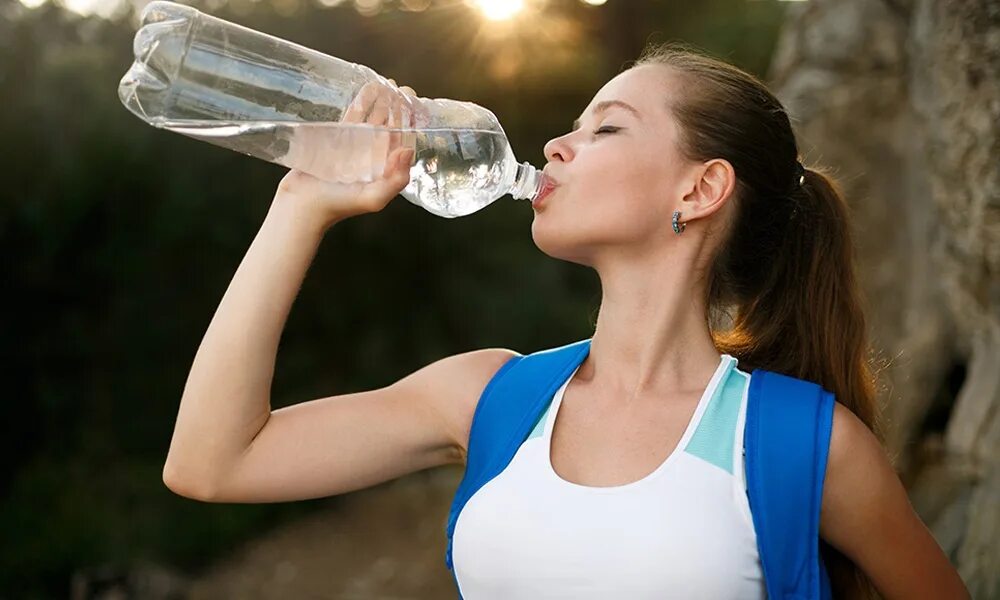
pixel 902 98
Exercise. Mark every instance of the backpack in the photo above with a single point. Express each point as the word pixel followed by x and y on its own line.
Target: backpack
pixel 786 441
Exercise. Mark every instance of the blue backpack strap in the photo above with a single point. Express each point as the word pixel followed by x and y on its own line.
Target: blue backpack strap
pixel 787 440
pixel 507 410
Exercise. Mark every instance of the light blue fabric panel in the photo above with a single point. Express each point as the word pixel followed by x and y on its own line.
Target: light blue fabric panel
pixel 713 440
pixel 540 425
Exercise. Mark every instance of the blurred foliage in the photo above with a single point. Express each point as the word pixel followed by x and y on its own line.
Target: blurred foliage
pixel 121 239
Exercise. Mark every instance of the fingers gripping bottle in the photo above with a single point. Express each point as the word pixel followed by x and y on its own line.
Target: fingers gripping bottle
pixel 241 89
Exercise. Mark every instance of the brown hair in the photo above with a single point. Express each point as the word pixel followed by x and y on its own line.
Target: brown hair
pixel 787 263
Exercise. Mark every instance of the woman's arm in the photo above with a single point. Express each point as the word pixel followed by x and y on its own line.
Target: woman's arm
pixel 227 397
pixel 226 400
pixel 867 516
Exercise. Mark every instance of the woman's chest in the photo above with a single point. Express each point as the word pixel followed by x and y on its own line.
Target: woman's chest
pixel 523 535
pixel 600 446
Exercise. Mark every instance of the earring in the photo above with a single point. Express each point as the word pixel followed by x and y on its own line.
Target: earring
pixel 678 227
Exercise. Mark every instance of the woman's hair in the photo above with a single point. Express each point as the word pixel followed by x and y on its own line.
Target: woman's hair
pixel 787 263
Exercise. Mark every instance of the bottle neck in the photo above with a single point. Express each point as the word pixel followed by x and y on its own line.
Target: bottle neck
pixel 527 182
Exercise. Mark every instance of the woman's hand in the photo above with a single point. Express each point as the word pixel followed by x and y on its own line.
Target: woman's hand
pixel 379 104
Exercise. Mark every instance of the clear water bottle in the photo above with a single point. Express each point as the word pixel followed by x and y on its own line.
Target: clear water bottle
pixel 241 89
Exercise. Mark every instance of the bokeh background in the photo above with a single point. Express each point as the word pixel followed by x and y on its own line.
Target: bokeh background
pixel 119 240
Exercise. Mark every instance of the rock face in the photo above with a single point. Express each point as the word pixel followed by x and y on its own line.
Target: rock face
pixel 902 98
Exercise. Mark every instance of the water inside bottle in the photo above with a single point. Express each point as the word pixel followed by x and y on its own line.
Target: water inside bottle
pixel 455 172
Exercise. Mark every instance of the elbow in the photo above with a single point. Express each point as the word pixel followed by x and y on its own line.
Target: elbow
pixel 186 487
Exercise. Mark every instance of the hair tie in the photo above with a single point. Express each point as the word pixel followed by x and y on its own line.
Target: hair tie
pixel 800 173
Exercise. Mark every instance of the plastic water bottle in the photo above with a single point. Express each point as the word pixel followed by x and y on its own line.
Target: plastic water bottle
pixel 241 89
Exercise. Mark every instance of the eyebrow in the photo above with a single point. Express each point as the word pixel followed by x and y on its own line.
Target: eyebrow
pixel 606 104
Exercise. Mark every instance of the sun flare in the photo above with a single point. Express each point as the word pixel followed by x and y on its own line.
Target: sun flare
pixel 500 10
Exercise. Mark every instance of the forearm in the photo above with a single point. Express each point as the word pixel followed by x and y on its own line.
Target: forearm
pixel 226 399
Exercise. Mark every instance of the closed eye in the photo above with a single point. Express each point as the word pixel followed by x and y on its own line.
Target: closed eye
pixel 606 130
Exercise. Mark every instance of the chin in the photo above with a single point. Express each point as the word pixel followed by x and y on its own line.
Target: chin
pixel 556 239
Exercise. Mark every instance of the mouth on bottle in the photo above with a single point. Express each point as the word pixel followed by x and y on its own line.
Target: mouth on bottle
pixel 546 188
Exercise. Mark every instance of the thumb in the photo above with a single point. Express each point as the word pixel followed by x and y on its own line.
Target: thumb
pixel 397 168
pixel 395 177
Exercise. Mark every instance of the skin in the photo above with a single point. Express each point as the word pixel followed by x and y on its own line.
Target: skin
pixel 612 212
pixel 327 202
pixel 621 176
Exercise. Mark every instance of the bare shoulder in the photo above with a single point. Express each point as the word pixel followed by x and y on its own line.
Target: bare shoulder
pixel 867 515
pixel 849 434
pixel 856 458
pixel 457 382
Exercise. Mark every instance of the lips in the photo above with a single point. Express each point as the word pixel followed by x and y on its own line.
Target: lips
pixel 548 185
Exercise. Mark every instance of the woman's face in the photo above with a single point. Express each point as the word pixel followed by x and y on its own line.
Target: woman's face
pixel 620 173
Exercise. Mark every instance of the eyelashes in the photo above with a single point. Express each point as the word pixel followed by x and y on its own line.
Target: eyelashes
pixel 606 130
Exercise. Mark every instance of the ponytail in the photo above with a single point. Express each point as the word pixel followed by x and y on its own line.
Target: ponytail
pixel 807 320
pixel 785 273
pixel 806 317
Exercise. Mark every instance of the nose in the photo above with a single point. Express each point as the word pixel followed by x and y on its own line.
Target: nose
pixel 558 149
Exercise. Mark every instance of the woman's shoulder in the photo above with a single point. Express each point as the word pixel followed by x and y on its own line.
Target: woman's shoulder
pixel 464 377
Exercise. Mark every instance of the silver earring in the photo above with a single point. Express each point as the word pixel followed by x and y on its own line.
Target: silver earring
pixel 678 227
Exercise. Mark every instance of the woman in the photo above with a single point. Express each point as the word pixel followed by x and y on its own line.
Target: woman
pixel 681 186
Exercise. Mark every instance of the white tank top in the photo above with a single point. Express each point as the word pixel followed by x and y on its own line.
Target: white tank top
pixel 683 531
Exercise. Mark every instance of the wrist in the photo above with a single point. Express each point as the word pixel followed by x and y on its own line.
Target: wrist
pixel 288 208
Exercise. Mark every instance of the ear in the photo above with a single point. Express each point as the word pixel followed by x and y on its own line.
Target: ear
pixel 713 183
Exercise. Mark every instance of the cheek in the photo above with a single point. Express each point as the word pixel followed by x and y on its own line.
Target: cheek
pixel 626 181
pixel 574 227
pixel 619 201
pixel 608 188
pixel 622 203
